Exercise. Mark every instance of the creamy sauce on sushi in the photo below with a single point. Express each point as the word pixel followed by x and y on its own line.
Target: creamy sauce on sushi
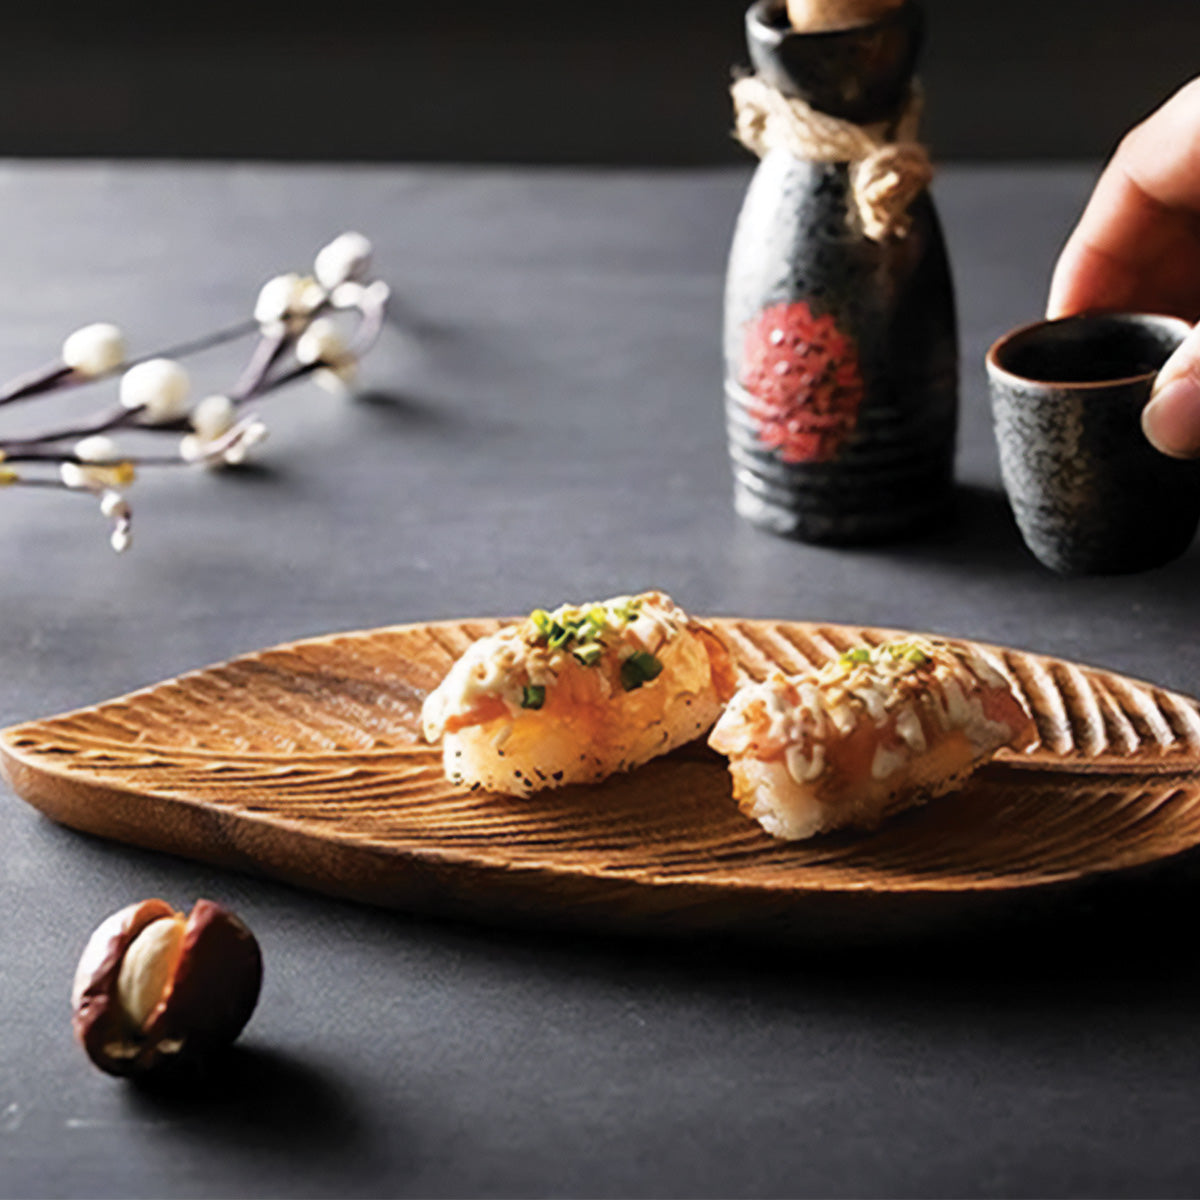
pixel 873 715
pixel 616 641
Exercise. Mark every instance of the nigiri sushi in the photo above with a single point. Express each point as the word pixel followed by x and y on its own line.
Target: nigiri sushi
pixel 577 694
pixel 877 730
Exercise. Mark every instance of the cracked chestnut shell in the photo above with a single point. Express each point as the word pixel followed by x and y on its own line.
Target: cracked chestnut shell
pixel 155 988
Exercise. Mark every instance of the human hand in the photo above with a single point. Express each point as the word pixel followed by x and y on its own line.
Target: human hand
pixel 1137 248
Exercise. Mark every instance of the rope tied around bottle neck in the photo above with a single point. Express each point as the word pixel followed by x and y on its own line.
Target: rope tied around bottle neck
pixel 889 167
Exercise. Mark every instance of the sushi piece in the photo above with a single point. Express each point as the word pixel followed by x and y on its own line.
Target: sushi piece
pixel 574 695
pixel 877 730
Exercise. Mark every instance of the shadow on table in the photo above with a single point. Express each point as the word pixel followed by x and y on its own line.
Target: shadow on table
pixel 977 530
pixel 1132 926
pixel 982 518
pixel 257 1100
pixel 409 320
pixel 1060 953
pixel 1126 936
pixel 415 412
pixel 253 473
pixel 980 533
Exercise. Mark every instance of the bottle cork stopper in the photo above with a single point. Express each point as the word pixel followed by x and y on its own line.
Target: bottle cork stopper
pixel 819 16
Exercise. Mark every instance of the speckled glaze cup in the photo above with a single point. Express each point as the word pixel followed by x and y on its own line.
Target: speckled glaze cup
pixel 1089 492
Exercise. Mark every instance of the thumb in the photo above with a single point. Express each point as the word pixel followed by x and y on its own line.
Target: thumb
pixel 1171 419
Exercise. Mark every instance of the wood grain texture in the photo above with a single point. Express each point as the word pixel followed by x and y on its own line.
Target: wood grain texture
pixel 305 763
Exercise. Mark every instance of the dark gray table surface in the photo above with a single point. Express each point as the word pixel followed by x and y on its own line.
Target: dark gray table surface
pixel 542 422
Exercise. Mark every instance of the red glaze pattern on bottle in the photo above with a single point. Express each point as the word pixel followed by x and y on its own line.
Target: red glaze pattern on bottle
pixel 803 376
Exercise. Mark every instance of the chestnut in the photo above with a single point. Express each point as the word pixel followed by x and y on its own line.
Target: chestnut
pixel 154 988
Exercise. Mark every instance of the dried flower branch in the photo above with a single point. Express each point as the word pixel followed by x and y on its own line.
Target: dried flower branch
pixel 295 319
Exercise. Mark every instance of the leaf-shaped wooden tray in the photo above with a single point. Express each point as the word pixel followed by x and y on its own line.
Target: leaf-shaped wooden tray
pixel 305 763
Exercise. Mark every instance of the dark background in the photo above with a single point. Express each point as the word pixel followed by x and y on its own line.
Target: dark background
pixel 623 81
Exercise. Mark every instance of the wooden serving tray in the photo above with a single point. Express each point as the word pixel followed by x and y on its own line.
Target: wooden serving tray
pixel 305 763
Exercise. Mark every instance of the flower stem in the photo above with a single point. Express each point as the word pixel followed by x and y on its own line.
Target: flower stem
pixel 266 352
pixel 33 383
pixel 113 418
pixel 209 341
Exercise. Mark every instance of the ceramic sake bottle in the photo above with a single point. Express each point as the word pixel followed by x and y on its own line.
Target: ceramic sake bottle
pixel 841 381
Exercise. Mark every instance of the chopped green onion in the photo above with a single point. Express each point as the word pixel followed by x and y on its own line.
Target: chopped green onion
pixel 533 695
pixel 860 654
pixel 628 611
pixel 908 651
pixel 639 668
pixel 589 653
pixel 593 622
pixel 582 626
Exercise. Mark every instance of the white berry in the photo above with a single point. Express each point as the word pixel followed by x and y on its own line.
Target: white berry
pixel 97 449
pixel 74 476
pixel 347 257
pixel 322 342
pixel 309 297
pixel 158 386
pixel 337 380
pixel 114 506
pixel 276 299
pixel 94 349
pixel 213 416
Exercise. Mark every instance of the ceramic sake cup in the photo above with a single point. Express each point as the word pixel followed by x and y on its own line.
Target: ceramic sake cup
pixel 1089 493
